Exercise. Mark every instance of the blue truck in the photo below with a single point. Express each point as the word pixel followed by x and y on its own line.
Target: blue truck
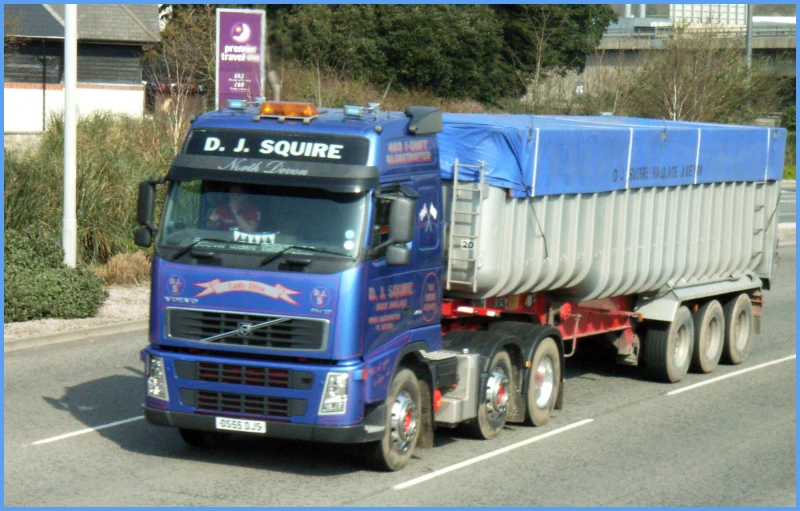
pixel 361 277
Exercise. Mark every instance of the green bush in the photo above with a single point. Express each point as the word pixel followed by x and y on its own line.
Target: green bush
pixel 790 156
pixel 38 285
pixel 789 118
pixel 32 250
pixel 51 293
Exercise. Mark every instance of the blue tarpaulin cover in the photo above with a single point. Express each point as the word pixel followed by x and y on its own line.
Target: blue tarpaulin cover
pixel 548 155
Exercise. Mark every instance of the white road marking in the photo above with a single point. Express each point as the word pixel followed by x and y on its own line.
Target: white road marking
pixel 488 455
pixel 730 375
pixel 87 430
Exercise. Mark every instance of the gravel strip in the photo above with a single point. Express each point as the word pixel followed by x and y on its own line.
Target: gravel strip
pixel 124 303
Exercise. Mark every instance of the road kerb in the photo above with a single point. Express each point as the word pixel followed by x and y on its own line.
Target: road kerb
pixel 83 334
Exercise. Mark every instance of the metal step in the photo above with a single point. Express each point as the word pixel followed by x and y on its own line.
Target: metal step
pixel 460 282
pixel 437 355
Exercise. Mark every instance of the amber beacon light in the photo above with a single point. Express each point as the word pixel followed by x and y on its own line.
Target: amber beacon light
pixel 288 109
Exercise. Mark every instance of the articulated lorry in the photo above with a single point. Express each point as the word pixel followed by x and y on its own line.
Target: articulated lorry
pixel 362 277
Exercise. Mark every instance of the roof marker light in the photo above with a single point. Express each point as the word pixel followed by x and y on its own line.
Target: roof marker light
pixel 359 111
pixel 354 111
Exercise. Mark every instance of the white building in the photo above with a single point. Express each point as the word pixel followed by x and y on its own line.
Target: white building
pixel 111 41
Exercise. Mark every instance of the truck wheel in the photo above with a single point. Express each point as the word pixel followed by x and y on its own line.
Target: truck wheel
pixel 203 439
pixel 668 347
pixel 739 329
pixel 709 335
pixel 402 424
pixel 493 401
pixel 544 383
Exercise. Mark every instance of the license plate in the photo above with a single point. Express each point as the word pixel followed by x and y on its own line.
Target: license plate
pixel 241 425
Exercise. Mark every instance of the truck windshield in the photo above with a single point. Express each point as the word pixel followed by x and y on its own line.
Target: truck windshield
pixel 241 219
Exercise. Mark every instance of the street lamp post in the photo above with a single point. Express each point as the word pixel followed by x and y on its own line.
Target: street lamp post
pixel 69 234
pixel 749 39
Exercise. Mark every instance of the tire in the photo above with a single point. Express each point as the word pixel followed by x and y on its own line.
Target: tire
pixel 203 439
pixel 493 400
pixel 544 383
pixel 739 329
pixel 668 347
pixel 709 336
pixel 403 407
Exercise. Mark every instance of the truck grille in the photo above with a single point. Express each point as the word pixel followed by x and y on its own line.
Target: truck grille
pixel 293 334
pixel 225 402
pixel 244 375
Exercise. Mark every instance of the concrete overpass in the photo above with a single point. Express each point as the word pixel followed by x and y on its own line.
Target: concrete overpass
pixel 626 47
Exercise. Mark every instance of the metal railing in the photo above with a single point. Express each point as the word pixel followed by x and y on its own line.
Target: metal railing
pixel 646 33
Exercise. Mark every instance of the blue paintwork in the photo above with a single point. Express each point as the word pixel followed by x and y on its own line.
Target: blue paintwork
pixel 361 336
pixel 355 405
pixel 228 289
pixel 330 121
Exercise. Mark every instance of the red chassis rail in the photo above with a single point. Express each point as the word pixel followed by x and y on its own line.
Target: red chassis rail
pixel 573 319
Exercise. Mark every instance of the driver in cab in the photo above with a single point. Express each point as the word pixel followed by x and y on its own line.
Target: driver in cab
pixel 236 213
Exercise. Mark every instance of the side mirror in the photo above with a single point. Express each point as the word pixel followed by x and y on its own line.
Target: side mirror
pixel 144 206
pixel 401 221
pixel 143 237
pixel 397 255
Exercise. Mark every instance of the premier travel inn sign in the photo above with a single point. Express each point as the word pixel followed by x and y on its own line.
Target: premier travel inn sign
pixel 241 43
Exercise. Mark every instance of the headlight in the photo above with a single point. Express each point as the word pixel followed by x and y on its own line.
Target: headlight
pixel 334 395
pixel 157 379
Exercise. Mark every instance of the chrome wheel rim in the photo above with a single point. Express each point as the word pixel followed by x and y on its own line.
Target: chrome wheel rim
pixel 713 338
pixel 741 330
pixel 545 382
pixel 403 422
pixel 497 394
pixel 680 353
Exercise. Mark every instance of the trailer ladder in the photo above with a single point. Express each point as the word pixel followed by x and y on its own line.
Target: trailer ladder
pixel 465 229
pixel 760 221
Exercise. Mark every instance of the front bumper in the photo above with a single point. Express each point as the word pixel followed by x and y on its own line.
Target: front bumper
pixel 370 430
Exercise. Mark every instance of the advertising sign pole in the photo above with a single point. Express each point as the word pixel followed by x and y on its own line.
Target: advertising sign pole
pixel 241 52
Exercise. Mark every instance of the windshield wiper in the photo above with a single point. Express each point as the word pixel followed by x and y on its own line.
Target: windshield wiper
pixel 191 245
pixel 279 253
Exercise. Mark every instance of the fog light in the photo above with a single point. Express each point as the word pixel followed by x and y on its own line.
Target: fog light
pixel 334 395
pixel 157 379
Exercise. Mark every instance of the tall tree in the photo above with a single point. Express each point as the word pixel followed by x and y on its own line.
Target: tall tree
pixel 453 51
pixel 182 65
pixel 700 76
pixel 542 38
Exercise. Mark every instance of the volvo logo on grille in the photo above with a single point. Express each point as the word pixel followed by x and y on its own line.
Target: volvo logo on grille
pixel 245 329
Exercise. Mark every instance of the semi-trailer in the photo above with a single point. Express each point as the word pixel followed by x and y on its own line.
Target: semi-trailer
pixel 362 277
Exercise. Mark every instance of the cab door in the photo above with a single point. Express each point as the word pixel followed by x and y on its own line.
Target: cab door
pixel 405 297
